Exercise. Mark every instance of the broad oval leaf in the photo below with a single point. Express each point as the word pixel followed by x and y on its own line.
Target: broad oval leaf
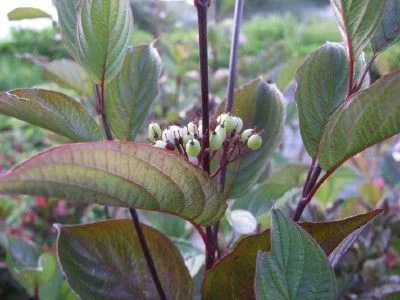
pixel 130 94
pixel 296 267
pixel 104 31
pixel 66 10
pixel 259 104
pixel 21 13
pixel 51 110
pixel 105 260
pixel 233 276
pixel 119 174
pixel 368 118
pixel 322 84
pixel 389 30
pixel 68 74
pixel 358 21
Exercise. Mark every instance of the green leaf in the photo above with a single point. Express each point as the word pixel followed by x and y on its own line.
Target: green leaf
pixel 369 117
pixel 130 94
pixel 26 264
pixel 120 174
pixel 233 276
pixel 105 260
pixel 322 84
pixel 331 188
pixel 51 110
pixel 296 267
pixel 389 29
pixel 104 32
pixel 262 197
pixel 67 20
pixel 21 13
pixel 43 272
pixel 68 74
pixel 358 21
pixel 259 104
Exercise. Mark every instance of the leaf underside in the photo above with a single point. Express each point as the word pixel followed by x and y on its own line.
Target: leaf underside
pixel 119 174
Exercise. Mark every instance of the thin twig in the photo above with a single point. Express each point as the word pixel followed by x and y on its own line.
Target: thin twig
pixel 147 255
pixel 366 70
pixel 305 200
pixel 230 93
pixel 234 55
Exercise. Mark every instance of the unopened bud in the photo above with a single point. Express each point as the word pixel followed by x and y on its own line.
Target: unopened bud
pixel 215 141
pixel 193 148
pixel 254 142
pixel 160 144
pixel 246 135
pixel 221 130
pixel 238 124
pixel 154 132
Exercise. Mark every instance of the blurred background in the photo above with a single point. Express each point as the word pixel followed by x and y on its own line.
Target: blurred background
pixel 276 37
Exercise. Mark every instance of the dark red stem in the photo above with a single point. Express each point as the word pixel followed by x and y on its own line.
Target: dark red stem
pixel 202 9
pixel 147 255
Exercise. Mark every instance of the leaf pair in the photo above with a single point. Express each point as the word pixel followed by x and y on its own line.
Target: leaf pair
pixel 332 130
pixel 333 126
pixel 233 276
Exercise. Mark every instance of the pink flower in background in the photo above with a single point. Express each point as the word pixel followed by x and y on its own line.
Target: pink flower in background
pixel 61 209
pixel 41 201
pixel 379 183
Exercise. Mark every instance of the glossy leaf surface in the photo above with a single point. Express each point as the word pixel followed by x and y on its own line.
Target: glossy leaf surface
pixel 260 104
pixel 130 94
pixel 233 276
pixel 322 84
pixel 104 32
pixel 105 260
pixel 51 110
pixel 296 267
pixel 369 117
pixel 119 174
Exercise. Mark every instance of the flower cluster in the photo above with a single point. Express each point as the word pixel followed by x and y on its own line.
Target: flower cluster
pixel 225 135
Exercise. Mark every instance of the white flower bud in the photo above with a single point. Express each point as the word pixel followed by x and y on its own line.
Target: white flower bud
pixel 171 133
pixel 238 124
pixel 160 144
pixel 220 129
pixel 186 135
pixel 246 135
pixel 192 127
pixel 154 133
pixel 227 121
pixel 215 141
